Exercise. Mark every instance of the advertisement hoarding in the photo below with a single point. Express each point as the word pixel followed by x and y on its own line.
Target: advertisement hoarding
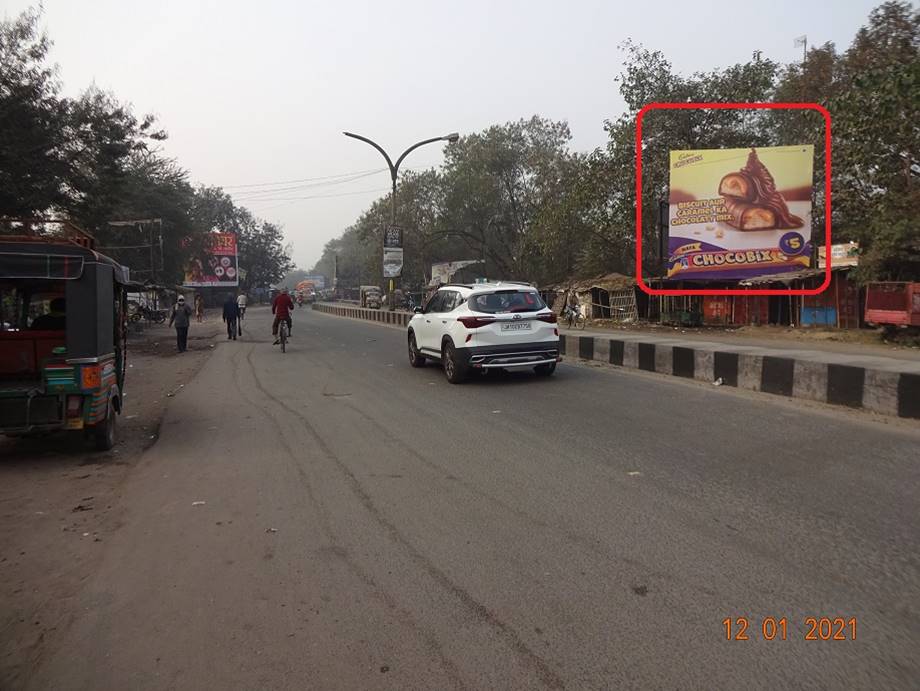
pixel 845 254
pixel 443 272
pixel 217 267
pixel 319 282
pixel 392 236
pixel 392 262
pixel 739 213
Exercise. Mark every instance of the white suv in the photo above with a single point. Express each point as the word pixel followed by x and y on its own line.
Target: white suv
pixel 482 326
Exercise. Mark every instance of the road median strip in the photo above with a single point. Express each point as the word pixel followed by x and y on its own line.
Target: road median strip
pixel 883 385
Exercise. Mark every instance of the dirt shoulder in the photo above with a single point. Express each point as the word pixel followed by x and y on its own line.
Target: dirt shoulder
pixel 57 498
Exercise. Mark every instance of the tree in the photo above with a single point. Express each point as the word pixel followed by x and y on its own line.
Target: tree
pixel 495 184
pixel 262 254
pixel 648 77
pixel 148 186
pixel 877 111
pixel 33 121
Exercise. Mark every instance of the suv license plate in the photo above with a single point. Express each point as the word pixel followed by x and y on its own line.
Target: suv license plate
pixel 517 326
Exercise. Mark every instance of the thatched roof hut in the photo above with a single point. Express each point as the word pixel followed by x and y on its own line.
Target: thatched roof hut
pixel 609 296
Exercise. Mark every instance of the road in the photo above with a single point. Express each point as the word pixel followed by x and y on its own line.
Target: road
pixel 331 518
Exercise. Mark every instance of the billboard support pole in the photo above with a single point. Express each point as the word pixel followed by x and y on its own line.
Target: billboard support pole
pixel 663 211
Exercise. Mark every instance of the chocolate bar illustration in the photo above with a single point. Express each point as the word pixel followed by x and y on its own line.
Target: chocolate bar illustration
pixel 752 199
pixel 748 216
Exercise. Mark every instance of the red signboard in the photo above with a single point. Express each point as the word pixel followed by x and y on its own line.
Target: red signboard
pixel 217 266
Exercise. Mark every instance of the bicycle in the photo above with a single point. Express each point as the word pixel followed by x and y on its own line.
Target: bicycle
pixel 283 334
pixel 574 317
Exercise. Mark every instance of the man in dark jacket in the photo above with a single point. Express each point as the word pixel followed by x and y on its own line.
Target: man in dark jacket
pixel 181 314
pixel 231 315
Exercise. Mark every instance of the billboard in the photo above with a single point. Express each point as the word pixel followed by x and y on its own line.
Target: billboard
pixel 845 254
pixel 217 267
pixel 392 262
pixel 319 282
pixel 443 272
pixel 392 236
pixel 738 213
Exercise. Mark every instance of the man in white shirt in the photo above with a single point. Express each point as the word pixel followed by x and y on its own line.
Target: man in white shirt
pixel 241 303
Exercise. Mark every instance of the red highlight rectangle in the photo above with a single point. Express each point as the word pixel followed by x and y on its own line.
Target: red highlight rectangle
pixel 728 106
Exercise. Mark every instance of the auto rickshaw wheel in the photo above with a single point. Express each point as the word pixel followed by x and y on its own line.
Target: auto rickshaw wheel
pixel 104 432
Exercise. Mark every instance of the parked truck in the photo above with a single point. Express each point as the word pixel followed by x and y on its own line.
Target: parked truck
pixel 893 304
pixel 370 297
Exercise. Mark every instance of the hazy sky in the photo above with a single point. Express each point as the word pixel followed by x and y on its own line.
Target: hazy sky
pixel 254 92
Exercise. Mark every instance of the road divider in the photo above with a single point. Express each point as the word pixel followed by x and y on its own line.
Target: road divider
pixel 374 315
pixel 881 384
pixel 884 385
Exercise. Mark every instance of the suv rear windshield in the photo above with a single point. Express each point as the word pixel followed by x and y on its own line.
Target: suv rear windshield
pixel 507 301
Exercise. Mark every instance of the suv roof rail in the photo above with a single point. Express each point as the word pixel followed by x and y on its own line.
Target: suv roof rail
pixel 486 284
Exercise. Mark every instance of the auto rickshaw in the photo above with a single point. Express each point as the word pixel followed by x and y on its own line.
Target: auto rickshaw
pixel 63 326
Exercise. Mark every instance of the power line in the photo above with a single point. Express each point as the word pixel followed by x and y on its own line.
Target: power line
pixel 256 194
pixel 321 196
pixel 288 182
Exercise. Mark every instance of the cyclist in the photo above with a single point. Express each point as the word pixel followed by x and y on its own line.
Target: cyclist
pixel 282 306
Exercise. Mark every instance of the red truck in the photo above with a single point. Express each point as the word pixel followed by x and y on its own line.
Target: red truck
pixel 893 303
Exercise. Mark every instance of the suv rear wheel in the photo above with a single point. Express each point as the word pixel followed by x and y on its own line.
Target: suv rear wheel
pixel 545 369
pixel 454 370
pixel 416 359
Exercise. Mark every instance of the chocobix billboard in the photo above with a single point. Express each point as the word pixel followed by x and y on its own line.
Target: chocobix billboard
pixel 738 213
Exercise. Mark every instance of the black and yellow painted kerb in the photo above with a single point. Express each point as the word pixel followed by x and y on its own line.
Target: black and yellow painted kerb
pixel 889 391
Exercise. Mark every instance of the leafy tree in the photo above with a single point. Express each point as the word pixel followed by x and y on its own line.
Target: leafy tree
pixel 876 116
pixel 33 121
pixel 262 254
pixel 148 186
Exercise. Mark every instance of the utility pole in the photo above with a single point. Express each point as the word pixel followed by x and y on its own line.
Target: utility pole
pixel 394 171
pixel 151 243
pixel 803 41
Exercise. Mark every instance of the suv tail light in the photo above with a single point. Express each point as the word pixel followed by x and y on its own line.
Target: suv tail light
pixel 548 318
pixel 475 322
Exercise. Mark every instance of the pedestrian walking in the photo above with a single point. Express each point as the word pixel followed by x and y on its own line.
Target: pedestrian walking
pixel 181 316
pixel 199 307
pixel 241 303
pixel 231 316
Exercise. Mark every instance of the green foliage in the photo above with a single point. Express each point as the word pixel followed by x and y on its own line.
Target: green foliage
pixel 33 120
pixel 512 195
pixel 93 160
pixel 260 243
pixel 517 197
pixel 877 165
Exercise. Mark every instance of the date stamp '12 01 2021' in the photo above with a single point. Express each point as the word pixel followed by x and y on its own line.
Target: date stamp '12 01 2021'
pixel 778 628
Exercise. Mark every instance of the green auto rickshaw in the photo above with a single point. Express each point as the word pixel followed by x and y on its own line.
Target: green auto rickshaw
pixel 63 326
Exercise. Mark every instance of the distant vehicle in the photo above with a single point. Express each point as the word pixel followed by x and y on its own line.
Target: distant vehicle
pixel 370 297
pixel 305 289
pixel 470 327
pixel 893 304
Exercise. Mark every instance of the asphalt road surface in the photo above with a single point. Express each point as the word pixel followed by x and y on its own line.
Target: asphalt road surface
pixel 331 518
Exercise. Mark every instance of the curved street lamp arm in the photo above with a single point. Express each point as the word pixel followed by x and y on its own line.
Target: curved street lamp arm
pixel 378 147
pixel 415 146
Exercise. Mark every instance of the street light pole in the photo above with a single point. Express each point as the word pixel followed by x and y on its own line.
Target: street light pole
pixel 394 172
